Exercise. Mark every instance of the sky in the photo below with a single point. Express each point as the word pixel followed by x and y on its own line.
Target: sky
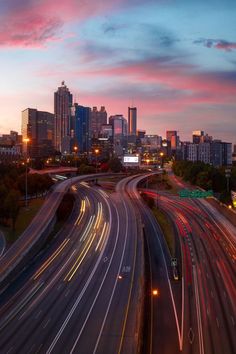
pixel 175 60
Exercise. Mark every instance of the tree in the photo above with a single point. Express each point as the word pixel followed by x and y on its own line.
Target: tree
pixel 115 165
pixel 12 206
pixel 203 180
pixel 104 167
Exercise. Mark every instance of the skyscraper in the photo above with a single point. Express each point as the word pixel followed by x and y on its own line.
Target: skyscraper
pixel 98 118
pixel 62 107
pixel 132 120
pixel 119 129
pixel 38 126
pixel 172 141
pixel 197 134
pixel 82 127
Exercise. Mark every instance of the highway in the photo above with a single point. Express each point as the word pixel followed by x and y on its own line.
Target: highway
pixel 81 293
pixel 32 237
pixel 208 267
pixel 165 322
pixel 84 293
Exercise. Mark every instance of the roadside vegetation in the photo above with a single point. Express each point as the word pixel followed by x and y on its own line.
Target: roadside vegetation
pixel 13 215
pixel 207 177
pixel 160 182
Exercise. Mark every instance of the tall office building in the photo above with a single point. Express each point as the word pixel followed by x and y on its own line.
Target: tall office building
pixel 62 109
pixel 82 128
pixel 132 120
pixel 172 141
pixel 197 136
pixel 38 127
pixel 98 118
pixel 119 129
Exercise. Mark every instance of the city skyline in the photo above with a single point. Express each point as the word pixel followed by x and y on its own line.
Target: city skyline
pixel 177 67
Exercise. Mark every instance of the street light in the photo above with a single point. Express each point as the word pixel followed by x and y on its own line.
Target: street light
pixel 75 148
pixel 147 161
pixel 26 140
pixel 162 155
pixel 96 153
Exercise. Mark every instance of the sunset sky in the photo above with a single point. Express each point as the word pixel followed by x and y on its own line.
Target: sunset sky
pixel 174 60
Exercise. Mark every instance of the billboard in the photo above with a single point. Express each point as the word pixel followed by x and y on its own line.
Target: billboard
pixel 131 159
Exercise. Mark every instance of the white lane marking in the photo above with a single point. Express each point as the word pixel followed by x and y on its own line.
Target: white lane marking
pixel 32 347
pixel 217 322
pixel 232 319
pixel 10 350
pixel 59 286
pixel 76 303
pixel 198 310
pixel 38 314
pixel 67 293
pixel 45 325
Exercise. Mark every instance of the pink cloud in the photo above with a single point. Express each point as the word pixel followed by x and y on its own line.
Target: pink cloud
pixel 228 46
pixel 221 44
pixel 195 86
pixel 29 32
pixel 33 23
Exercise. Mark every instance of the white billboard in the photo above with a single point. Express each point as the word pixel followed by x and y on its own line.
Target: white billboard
pixel 131 159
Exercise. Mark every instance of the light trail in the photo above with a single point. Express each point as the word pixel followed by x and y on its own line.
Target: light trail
pixel 51 259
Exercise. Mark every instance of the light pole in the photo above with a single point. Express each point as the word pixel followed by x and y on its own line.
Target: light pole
pixel 162 155
pixel 96 154
pixel 147 161
pixel 227 175
pixel 75 148
pixel 26 140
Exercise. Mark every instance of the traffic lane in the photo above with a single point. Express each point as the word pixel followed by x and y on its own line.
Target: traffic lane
pixel 120 335
pixel 29 325
pixel 216 216
pixel 199 230
pixel 87 337
pixel 165 336
pixel 166 330
pixel 95 299
pixel 188 313
pixel 160 274
pixel 211 303
pixel 23 283
pixel 32 234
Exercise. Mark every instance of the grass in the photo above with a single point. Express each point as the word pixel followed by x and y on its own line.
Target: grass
pixel 24 218
pixel 166 227
pixel 162 183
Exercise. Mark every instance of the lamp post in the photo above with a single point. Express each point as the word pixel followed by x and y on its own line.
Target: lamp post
pixel 147 161
pixel 75 148
pixel 96 153
pixel 26 140
pixel 162 155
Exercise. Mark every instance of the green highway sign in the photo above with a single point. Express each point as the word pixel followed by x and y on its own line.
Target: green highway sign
pixel 186 193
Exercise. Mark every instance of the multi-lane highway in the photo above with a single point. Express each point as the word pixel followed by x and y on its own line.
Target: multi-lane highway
pixel 208 267
pixel 82 294
pixel 164 321
pixel 36 233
